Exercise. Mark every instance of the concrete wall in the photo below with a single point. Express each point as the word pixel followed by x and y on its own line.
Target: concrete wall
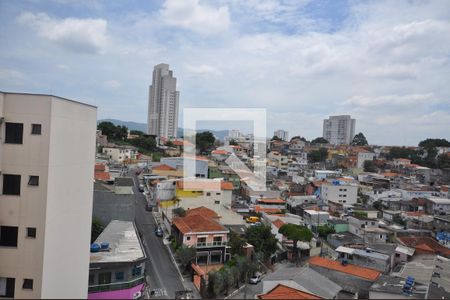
pixel 109 206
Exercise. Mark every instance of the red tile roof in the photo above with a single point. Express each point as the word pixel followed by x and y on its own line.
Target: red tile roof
pixel 271 200
pixel 259 208
pixel 103 176
pixel 284 292
pixel 204 211
pixel 278 223
pixel 100 167
pixel 163 167
pixel 220 152
pixel 389 174
pixel 197 223
pixel 425 245
pixel 204 184
pixel 366 273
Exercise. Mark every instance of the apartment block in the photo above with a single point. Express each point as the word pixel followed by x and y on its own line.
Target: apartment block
pixel 47 154
pixel 339 130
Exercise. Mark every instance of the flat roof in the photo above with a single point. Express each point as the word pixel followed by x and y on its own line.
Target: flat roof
pixel 48 95
pixel 124 244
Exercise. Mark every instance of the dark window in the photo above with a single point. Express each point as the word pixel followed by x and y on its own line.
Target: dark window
pixel 7 287
pixel 8 236
pixel 91 279
pixel 11 184
pixel 188 238
pixel 14 133
pixel 217 193
pixel 216 202
pixel 120 276
pixel 36 128
pixel 27 284
pixel 397 254
pixel 104 278
pixel 208 194
pixel 137 271
pixel 34 180
pixel 31 232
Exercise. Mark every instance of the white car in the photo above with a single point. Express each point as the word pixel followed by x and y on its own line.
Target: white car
pixel 255 279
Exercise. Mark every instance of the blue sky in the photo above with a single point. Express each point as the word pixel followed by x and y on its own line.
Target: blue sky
pixel 384 62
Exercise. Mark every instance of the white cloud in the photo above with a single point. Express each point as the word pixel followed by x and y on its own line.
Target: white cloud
pixel 200 18
pixel 9 74
pixel 406 101
pixel 77 35
pixel 114 84
pixel 203 69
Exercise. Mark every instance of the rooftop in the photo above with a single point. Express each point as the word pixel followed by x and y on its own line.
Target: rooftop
pixel 163 167
pixel 204 211
pixel 366 253
pixel 365 273
pixel 425 245
pixel 196 223
pixel 284 292
pixel 278 223
pixel 204 184
pixel 48 95
pixel 124 244
pixel 394 285
pixel 123 181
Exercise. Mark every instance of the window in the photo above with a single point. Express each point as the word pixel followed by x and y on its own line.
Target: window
pixel 397 254
pixel 104 278
pixel 216 202
pixel 27 284
pixel 188 238
pixel 208 194
pixel 14 133
pixel 120 276
pixel 36 128
pixel 11 185
pixel 31 232
pixel 137 271
pixel 217 194
pixel 91 279
pixel 7 286
pixel 33 180
pixel 8 236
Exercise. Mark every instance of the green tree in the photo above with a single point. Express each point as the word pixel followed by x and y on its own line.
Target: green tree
pixel 205 141
pixel 443 161
pixel 432 143
pixel 236 242
pixel 170 144
pixel 233 143
pixel 262 239
pixel 120 133
pixel 298 137
pixel 296 233
pixel 179 211
pixel 218 283
pixel 359 140
pixel 325 230
pixel 107 128
pixel 318 155
pixel 186 255
pixel 275 138
pixel 137 132
pixel 96 228
pixel 369 166
pixel 144 142
pixel 319 140
pixel 156 156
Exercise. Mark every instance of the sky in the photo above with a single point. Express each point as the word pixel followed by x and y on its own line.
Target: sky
pixel 386 63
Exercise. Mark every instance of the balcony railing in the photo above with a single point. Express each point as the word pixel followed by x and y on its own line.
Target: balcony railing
pixel 213 244
pixel 116 285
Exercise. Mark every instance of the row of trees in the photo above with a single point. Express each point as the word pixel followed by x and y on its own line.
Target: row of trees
pixel 358 140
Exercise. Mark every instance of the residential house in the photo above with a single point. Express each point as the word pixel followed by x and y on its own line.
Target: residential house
pixel 367 229
pixel 200 162
pixel 281 291
pixel 200 229
pixel 344 239
pixel 166 170
pixel 117 263
pixel 314 218
pixel 367 258
pixel 438 205
pixel 120 154
pixel 338 225
pixel 364 156
pixel 401 162
pixel 389 287
pixel 441 223
pixel 345 194
pixel 278 160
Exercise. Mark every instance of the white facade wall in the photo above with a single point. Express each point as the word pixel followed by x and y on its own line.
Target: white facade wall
pixel 339 130
pixel 60 207
pixel 344 194
pixel 119 154
pixel 364 156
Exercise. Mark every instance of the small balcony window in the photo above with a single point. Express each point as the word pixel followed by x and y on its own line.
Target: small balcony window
pixel 14 133
pixel 27 284
pixel 36 129
pixel 33 180
pixel 31 232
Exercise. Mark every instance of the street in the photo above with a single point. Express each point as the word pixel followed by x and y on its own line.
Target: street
pixel 162 275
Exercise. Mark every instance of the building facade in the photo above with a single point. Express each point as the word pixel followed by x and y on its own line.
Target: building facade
pixel 339 130
pixel 47 154
pixel 163 103
pixel 281 134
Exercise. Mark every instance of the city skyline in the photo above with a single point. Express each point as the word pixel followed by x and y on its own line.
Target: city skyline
pixel 366 59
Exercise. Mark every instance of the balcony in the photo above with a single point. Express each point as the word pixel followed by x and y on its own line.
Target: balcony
pixel 116 285
pixel 213 244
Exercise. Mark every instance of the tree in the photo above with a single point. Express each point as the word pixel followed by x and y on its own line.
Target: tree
pixel 170 144
pixel 319 140
pixel 218 283
pixel 369 166
pixel 96 228
pixel 262 239
pixel 179 211
pixel 236 242
pixel 296 233
pixel 107 128
pixel 186 255
pixel 359 140
pixel 137 132
pixel 275 138
pixel 443 161
pixel 318 155
pixel 120 133
pixel 205 141
pixel 298 137
pixel 147 143
pixel 432 143
pixel 325 230
pixel 233 143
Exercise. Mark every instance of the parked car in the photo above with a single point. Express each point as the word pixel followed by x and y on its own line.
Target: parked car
pixel 141 188
pixel 255 278
pixel 159 232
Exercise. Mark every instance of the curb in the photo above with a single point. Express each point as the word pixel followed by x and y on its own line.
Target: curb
pixel 174 262
pixel 235 292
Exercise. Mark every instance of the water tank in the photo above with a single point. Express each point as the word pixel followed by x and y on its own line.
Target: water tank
pixel 104 245
pixel 95 247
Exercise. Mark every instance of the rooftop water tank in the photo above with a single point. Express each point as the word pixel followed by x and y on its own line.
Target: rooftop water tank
pixel 104 245
pixel 95 247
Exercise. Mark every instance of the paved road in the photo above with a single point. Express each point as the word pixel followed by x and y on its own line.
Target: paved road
pixel 162 275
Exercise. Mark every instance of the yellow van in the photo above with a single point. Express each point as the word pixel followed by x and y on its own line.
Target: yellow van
pixel 252 219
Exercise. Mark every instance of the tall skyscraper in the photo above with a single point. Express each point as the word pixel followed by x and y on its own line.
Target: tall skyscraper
pixel 339 130
pixel 47 156
pixel 281 134
pixel 163 103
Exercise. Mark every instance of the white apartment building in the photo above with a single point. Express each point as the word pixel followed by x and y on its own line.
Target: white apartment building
pixel 339 193
pixel 339 130
pixel 163 103
pixel 281 134
pixel 120 153
pixel 362 157
pixel 47 154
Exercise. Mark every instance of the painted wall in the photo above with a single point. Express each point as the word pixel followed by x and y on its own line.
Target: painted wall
pixel 119 294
